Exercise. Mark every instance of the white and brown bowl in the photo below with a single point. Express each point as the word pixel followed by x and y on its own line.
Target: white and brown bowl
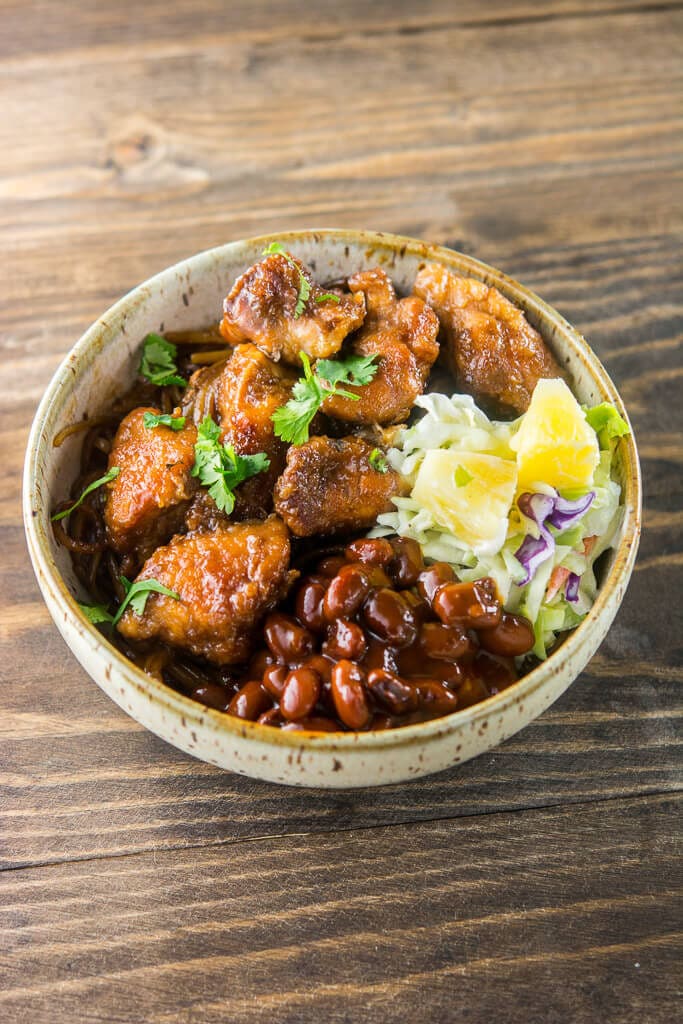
pixel 103 364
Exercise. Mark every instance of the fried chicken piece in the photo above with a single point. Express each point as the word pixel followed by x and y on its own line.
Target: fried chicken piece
pixel 403 334
pixel 227 581
pixel 493 351
pixel 199 398
pixel 261 307
pixel 331 486
pixel 145 504
pixel 249 390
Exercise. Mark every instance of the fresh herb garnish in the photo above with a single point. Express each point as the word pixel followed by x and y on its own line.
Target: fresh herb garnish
pixel 462 477
pixel 352 370
pixel 109 475
pixel 606 422
pixel 95 613
pixel 219 468
pixel 164 419
pixel 137 594
pixel 275 249
pixel 378 460
pixel 158 362
pixel 291 421
pixel 328 295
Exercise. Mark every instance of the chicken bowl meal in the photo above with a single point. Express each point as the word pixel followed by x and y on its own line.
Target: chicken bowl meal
pixel 332 508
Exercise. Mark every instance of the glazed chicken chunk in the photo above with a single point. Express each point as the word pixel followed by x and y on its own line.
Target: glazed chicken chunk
pixel 331 486
pixel 403 334
pixel 248 391
pixel 227 581
pixel 145 504
pixel 493 351
pixel 262 307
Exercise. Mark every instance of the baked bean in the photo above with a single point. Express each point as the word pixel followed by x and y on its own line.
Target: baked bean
pixel 433 577
pixel 379 655
pixel 213 695
pixel 473 605
pixel 348 693
pixel 300 694
pixel 345 640
pixel 419 607
pixel 331 565
pixel 323 666
pixel 380 721
pixel 445 643
pixel 412 661
pixel 309 605
pixel 313 723
pixel 496 672
pixel 407 563
pixel 472 692
pixel 288 641
pixel 273 680
pixel 435 697
pixel 514 635
pixel 259 663
pixel 390 617
pixel 346 593
pixel 271 717
pixel 250 701
pixel 370 551
pixel 392 692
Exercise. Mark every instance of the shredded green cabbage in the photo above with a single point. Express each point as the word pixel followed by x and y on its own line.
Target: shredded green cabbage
pixel 457 423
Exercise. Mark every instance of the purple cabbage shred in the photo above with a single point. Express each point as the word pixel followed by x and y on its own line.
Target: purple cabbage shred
pixel 544 509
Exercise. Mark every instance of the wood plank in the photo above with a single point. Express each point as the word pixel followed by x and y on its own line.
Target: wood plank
pixel 554 915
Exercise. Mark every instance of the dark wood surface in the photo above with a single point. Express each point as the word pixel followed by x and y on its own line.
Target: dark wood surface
pixel 535 884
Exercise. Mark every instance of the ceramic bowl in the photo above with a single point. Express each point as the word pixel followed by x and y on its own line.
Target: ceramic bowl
pixel 103 364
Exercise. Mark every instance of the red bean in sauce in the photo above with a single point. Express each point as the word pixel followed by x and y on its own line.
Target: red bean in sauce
pixel 250 701
pixel 346 593
pixel 377 551
pixel 287 640
pixel 512 637
pixel 345 640
pixel 309 605
pixel 445 643
pixel 433 577
pixel 349 694
pixel 392 692
pixel 390 617
pixel 377 640
pixel 473 605
pixel 300 693
pixel 407 563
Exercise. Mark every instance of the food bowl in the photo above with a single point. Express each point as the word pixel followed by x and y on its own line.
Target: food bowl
pixel 103 364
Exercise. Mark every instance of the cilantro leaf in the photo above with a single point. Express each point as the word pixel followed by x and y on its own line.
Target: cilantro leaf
pixel 304 294
pixel 292 420
pixel 219 468
pixel 165 419
pixel 328 295
pixel 606 422
pixel 137 594
pixel 158 362
pixel 95 613
pixel 111 474
pixel 462 477
pixel 378 460
pixel 353 370
pixel 275 249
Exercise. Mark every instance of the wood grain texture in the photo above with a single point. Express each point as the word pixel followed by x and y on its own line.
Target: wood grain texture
pixel 140 885
pixel 525 918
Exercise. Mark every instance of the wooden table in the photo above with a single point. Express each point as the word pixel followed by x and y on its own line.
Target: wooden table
pixel 534 884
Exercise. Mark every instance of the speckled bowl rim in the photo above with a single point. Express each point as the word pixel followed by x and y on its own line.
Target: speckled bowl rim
pixel 191 712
